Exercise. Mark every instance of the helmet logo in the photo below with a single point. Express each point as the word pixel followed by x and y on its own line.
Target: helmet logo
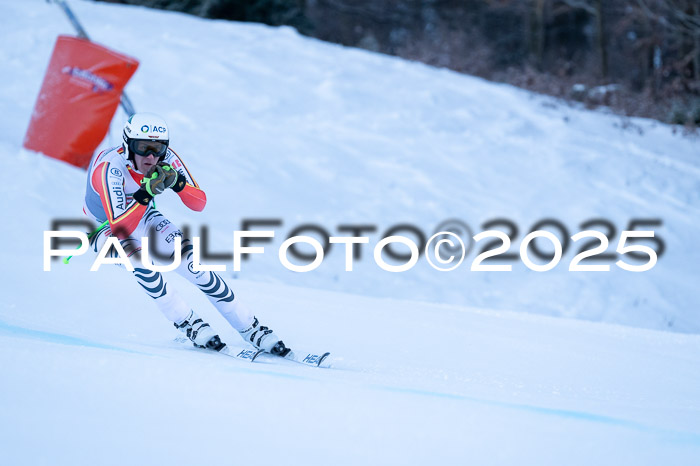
pixel 155 129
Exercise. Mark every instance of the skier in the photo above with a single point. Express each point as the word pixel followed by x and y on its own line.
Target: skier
pixel 122 182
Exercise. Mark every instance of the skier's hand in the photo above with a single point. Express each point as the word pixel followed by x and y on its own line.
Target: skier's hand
pixel 173 178
pixel 170 175
pixel 154 181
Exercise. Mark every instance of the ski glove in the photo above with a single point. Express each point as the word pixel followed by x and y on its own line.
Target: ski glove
pixel 158 179
pixel 171 175
pixel 173 179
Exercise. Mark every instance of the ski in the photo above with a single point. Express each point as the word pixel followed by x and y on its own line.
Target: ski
pixel 242 354
pixel 307 359
pixel 248 355
pixel 251 355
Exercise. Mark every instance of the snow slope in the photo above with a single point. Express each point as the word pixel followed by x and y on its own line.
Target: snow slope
pixel 275 125
pixel 497 388
pixel 428 366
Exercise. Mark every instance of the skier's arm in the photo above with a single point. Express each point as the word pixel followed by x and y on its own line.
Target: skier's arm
pixel 186 187
pixel 123 218
pixel 191 196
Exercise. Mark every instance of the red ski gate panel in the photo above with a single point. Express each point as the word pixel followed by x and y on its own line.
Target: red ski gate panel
pixel 78 99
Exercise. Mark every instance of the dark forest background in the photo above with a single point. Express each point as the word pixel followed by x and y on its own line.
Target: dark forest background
pixel 639 57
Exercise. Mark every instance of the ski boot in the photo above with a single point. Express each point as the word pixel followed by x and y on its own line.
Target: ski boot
pixel 264 338
pixel 201 334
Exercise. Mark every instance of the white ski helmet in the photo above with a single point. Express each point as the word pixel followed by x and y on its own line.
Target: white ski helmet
pixel 144 134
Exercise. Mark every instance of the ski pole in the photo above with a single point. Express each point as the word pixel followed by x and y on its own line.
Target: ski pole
pixel 125 102
pixel 65 261
pixel 106 222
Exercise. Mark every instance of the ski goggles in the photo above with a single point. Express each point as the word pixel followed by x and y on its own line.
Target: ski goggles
pixel 144 147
